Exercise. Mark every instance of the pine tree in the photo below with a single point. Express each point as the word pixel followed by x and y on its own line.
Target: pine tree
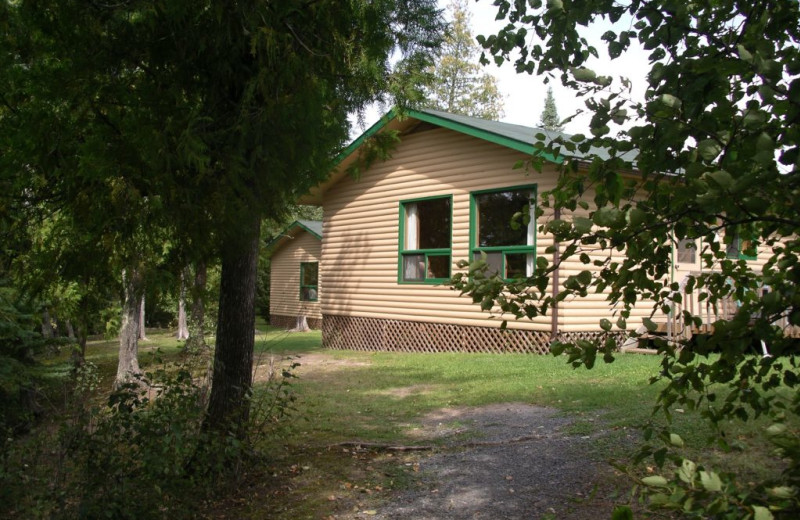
pixel 549 119
pixel 458 86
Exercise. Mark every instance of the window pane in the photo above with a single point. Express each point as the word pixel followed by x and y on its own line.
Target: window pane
pixel 433 221
pixel 308 294
pixel 439 266
pixel 310 273
pixel 519 265
pixel 413 267
pixel 494 262
pixel 732 249
pixel 687 251
pixel 494 218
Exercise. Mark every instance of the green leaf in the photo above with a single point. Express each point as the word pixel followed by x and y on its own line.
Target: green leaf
pixel 676 440
pixel 582 225
pixel 654 481
pixel 687 471
pixel 583 74
pixel 762 513
pixel 607 217
pixel 635 216
pixel 709 149
pixel 710 481
pixel 649 324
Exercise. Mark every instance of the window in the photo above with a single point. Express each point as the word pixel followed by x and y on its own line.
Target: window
pixel 309 279
pixel 425 229
pixel 687 251
pixel 738 248
pixel 498 230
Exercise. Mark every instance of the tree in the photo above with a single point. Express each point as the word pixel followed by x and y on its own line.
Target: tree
pixel 718 146
pixel 207 117
pixel 457 84
pixel 549 119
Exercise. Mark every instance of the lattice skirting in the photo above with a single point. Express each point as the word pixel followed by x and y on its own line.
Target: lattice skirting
pixel 290 322
pixel 359 333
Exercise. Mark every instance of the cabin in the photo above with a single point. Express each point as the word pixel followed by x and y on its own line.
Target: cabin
pixel 294 276
pixel 392 236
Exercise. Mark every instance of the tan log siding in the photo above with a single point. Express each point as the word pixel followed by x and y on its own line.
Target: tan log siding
pixel 360 225
pixel 285 277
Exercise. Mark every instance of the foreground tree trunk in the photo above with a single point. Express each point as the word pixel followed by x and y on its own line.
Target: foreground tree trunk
pixel 229 408
pixel 197 320
pixel 183 329
pixel 128 368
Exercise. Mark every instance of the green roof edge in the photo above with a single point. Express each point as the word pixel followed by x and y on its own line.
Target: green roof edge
pixel 282 234
pixel 501 140
pixel 507 142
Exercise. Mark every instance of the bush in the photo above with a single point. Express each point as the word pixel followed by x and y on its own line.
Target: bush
pixel 145 454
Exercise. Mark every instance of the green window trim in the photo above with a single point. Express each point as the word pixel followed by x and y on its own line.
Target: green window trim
pixel 504 251
pixel 429 259
pixel 309 288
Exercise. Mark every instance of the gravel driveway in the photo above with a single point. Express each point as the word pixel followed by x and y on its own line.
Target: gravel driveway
pixel 518 462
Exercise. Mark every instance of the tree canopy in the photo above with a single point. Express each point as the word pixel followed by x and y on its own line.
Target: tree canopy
pixel 198 119
pixel 717 145
pixel 457 84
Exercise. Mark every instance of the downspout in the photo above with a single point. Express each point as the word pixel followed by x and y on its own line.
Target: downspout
pixel 556 260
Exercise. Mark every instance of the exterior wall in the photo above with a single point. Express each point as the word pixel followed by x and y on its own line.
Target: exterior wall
pixel 366 308
pixel 361 228
pixel 285 304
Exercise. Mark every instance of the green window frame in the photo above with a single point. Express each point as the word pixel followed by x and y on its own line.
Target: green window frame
pixel 425 240
pixel 309 281
pixel 735 250
pixel 508 250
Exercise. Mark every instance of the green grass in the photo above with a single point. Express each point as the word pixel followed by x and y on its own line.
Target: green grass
pixel 381 396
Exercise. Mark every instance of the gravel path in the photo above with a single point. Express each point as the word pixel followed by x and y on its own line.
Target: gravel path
pixel 517 463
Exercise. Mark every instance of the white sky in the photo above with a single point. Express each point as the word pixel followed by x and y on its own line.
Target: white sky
pixel 525 93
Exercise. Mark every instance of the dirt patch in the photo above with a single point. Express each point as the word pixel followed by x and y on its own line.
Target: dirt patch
pixel 509 461
pixel 317 363
pixel 406 391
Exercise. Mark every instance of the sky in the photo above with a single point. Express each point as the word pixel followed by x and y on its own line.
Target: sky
pixel 525 93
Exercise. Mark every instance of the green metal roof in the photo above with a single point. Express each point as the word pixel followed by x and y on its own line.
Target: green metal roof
pixel 311 226
pixel 516 137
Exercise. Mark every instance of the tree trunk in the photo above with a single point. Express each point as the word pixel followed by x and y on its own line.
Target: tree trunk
pixel 183 329
pixel 47 325
pixel 198 317
pixel 82 328
pixel 229 408
pixel 70 330
pixel 142 332
pixel 301 325
pixel 128 368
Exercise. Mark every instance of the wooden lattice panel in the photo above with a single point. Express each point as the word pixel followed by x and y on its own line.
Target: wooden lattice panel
pixel 373 334
pixel 592 336
pixel 290 322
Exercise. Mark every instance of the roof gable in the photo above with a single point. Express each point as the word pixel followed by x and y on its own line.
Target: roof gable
pixel 516 137
pixel 312 227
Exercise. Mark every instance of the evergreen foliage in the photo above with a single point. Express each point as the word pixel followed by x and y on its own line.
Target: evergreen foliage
pixel 549 119
pixel 457 84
